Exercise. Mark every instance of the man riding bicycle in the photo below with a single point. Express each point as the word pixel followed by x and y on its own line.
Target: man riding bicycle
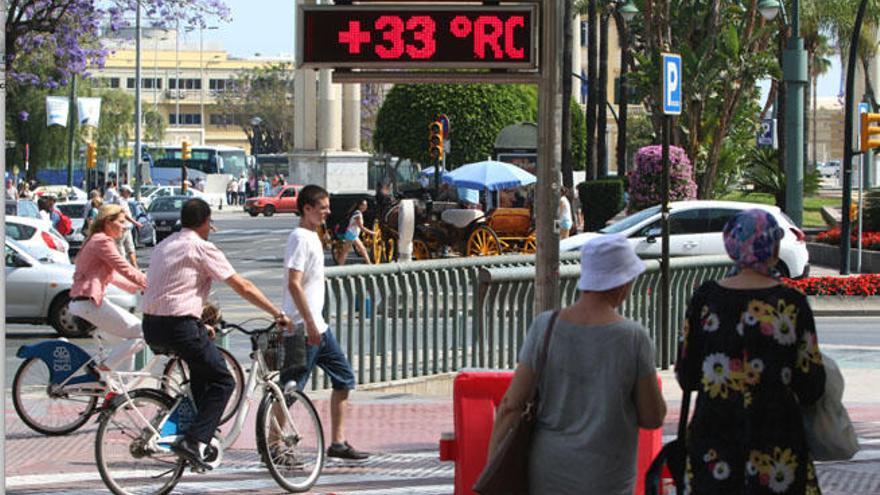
pixel 181 270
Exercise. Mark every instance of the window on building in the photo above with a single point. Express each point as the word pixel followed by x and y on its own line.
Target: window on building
pixel 221 85
pixel 583 33
pixel 185 119
pixel 185 83
pixel 146 83
pixel 110 82
pixel 220 119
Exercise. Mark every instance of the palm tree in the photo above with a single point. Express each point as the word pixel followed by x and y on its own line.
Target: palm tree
pixel 819 65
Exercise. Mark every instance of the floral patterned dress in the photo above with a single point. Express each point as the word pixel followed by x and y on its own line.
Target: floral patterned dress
pixel 753 358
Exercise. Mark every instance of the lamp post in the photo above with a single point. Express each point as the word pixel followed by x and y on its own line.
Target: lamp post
pixel 627 12
pixel 794 71
pixel 255 123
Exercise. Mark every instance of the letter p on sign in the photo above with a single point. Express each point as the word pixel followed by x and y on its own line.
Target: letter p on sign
pixel 671 64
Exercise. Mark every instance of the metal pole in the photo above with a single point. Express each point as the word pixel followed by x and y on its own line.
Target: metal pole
pixel 549 158
pixel 623 112
pixel 862 160
pixel 71 130
pixel 3 237
pixel 846 225
pixel 664 242
pixel 177 75
pixel 794 68
pixel 138 110
pixel 202 84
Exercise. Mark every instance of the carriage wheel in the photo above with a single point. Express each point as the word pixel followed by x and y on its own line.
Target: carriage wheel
pixel 420 250
pixel 530 246
pixel 483 242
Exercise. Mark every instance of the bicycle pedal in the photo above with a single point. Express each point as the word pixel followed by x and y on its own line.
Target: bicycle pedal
pixel 198 469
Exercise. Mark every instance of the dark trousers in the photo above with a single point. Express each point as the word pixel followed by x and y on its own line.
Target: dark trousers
pixel 210 381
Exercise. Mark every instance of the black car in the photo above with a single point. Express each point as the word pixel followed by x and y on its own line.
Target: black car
pixel 165 212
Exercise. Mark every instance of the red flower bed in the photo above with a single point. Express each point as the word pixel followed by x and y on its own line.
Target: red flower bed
pixel 861 285
pixel 870 240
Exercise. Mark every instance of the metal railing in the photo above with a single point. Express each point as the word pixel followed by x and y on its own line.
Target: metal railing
pixel 506 312
pixel 405 320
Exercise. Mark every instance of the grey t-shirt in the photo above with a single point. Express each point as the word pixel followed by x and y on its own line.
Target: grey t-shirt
pixel 587 433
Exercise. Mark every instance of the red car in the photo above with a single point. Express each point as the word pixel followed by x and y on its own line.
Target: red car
pixel 283 201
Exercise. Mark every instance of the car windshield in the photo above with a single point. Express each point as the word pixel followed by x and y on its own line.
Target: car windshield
pixel 72 210
pixel 631 221
pixel 166 204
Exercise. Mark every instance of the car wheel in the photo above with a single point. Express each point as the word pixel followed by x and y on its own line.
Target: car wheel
pixel 253 213
pixel 269 211
pixel 783 269
pixel 65 323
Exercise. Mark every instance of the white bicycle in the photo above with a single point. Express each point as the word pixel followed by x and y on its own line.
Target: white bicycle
pixel 136 431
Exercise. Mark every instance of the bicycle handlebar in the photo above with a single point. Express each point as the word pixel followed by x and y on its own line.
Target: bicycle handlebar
pixel 227 328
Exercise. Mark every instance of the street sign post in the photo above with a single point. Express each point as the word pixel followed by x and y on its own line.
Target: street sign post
pixel 672 78
pixel 767 135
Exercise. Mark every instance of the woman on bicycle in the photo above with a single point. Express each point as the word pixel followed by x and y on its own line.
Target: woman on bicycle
pixel 353 232
pixel 97 265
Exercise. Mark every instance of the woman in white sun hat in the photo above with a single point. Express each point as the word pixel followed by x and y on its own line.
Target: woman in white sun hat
pixel 598 386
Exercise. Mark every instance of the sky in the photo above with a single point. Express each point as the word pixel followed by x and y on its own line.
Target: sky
pixel 268 30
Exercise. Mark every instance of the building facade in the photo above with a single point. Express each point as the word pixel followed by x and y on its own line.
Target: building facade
pixel 182 82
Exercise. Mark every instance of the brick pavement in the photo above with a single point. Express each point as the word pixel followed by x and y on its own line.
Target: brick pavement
pixel 402 430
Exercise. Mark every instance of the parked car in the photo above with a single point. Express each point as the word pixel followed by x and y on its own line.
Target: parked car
pixel 77 211
pixel 22 208
pixel 39 292
pixel 165 212
pixel 34 234
pixel 696 229
pixel 153 192
pixel 829 169
pixel 282 201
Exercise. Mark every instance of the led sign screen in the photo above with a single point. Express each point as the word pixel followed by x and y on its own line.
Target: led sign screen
pixel 409 36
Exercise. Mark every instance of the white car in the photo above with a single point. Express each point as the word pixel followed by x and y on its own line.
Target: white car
pixel 39 292
pixel 696 229
pixel 162 191
pixel 35 235
pixel 62 193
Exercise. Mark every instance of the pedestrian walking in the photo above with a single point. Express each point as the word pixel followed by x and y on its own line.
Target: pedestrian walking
pixel 11 191
pixel 125 244
pixel 566 219
pixel 242 189
pixel 92 211
pixel 304 302
pixel 24 190
pixel 597 385
pixel 99 264
pixel 178 283
pixel 110 193
pixel 749 349
pixel 352 234
pixel 231 191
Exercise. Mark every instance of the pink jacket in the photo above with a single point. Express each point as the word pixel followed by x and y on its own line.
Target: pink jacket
pixel 98 264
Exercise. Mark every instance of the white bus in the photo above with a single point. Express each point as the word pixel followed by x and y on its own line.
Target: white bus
pixel 215 165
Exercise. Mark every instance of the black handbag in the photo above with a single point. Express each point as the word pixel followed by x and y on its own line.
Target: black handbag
pixel 672 456
pixel 507 472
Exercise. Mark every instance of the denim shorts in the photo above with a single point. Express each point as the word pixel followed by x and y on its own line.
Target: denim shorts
pixel 329 357
pixel 349 236
pixel 566 224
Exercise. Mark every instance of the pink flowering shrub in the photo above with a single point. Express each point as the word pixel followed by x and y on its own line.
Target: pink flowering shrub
pixel 644 184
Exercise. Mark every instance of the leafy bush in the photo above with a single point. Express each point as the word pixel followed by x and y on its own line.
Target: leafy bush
pixel 764 175
pixel 871 211
pixel 644 185
pixel 600 201
pixel 870 239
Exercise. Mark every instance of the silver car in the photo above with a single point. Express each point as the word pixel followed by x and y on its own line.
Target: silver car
pixel 38 291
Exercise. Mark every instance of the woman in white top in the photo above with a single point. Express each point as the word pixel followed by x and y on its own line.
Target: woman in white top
pixel 353 232
pixel 566 220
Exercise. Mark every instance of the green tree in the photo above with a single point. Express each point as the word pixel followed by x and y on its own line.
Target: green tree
pixel 117 122
pixel 267 93
pixel 477 113
pixel 725 49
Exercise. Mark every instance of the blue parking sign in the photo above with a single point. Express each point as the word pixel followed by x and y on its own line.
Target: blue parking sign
pixel 672 82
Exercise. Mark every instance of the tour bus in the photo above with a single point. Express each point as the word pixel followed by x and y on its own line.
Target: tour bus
pixel 214 165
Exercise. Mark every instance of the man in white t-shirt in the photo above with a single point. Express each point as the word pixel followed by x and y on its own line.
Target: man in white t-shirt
pixel 304 302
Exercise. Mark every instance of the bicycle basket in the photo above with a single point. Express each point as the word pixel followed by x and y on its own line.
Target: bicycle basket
pixel 282 350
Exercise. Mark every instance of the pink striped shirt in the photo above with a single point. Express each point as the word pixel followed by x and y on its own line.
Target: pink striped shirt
pixel 182 268
pixel 98 264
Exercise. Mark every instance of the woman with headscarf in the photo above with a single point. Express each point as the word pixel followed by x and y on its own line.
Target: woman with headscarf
pixel 598 384
pixel 99 264
pixel 749 350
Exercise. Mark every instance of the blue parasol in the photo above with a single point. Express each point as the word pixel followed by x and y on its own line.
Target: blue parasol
pixel 489 174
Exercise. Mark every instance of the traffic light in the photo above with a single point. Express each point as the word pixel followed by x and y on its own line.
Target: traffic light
pixel 870 131
pixel 185 152
pixel 91 155
pixel 435 140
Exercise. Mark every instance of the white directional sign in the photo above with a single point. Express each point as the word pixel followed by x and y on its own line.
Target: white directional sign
pixel 672 75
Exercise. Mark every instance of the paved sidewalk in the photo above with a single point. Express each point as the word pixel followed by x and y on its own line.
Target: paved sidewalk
pixel 402 430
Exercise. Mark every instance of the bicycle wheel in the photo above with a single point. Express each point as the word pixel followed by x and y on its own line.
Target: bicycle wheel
pixel 294 451
pixel 48 409
pixel 129 461
pixel 176 373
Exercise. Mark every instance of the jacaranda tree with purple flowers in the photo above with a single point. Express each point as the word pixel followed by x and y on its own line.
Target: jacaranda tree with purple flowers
pixel 47 41
pixel 645 182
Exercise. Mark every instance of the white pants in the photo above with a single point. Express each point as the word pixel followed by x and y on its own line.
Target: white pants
pixel 113 321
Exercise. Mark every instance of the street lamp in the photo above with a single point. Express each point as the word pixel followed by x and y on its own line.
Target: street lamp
pixel 628 11
pixel 794 71
pixel 255 123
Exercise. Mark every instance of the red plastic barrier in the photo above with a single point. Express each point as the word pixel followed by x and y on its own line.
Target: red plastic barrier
pixel 475 397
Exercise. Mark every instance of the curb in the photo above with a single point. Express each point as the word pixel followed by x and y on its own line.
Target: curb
pixel 845 305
